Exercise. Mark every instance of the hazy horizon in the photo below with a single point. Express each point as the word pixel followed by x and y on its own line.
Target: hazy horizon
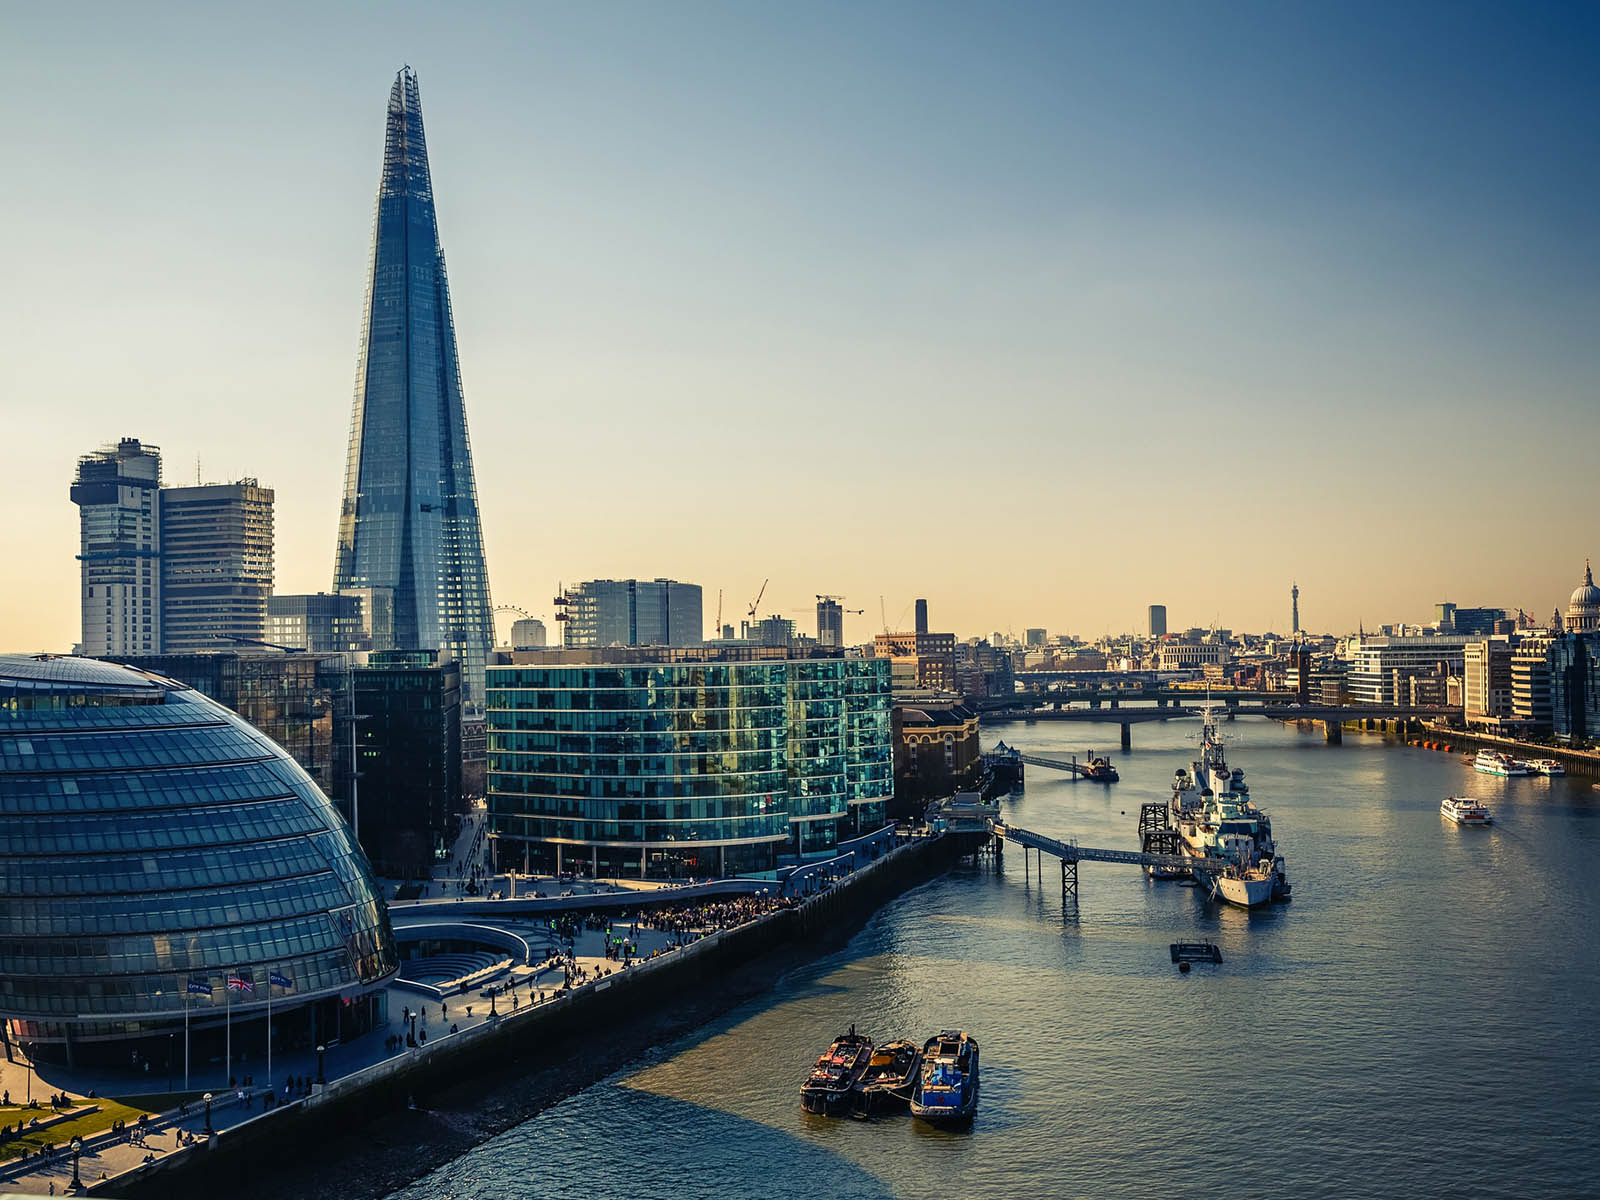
pixel 1043 312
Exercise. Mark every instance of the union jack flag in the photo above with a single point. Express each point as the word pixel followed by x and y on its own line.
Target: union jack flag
pixel 238 983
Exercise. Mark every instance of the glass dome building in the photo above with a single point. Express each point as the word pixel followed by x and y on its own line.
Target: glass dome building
pixel 163 865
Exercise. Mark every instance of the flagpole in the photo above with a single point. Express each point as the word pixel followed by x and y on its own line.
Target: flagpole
pixel 186 979
pixel 227 996
pixel 269 1027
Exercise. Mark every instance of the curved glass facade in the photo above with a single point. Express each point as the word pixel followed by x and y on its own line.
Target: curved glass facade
pixel 153 846
pixel 685 768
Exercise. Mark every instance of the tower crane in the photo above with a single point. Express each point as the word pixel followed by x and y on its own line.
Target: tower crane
pixel 754 603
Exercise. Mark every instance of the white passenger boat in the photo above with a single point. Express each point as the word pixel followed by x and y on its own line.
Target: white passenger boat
pixel 1464 810
pixel 1493 762
pixel 1546 766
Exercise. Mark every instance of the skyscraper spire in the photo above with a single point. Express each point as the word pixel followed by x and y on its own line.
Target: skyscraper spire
pixel 409 522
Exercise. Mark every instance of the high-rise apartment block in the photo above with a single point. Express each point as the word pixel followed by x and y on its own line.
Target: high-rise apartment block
pixel 168 570
pixel 409 521
pixel 117 491
pixel 216 565
pixel 631 612
pixel 830 623
pixel 1158 620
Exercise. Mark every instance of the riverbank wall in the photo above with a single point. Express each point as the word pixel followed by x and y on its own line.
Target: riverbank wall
pixel 556 1031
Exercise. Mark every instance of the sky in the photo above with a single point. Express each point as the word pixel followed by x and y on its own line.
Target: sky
pixel 1045 312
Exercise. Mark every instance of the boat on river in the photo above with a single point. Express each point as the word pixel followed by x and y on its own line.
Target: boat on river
pixel 1464 810
pixel 890 1075
pixel 830 1088
pixel 1222 830
pixel 1546 766
pixel 946 1090
pixel 1493 762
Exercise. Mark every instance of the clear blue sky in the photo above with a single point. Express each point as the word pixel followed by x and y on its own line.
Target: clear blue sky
pixel 1141 302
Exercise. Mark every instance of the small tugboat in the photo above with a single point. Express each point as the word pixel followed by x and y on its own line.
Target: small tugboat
pixel 1464 810
pixel 946 1091
pixel 1546 766
pixel 830 1088
pixel 890 1076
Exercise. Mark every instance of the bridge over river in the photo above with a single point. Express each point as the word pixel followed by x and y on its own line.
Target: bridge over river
pixel 1332 717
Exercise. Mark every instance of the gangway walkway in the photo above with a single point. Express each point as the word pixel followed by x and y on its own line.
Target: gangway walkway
pixel 1076 768
pixel 1071 854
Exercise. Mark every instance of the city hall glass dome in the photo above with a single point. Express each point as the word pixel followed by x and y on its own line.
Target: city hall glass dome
pixel 153 848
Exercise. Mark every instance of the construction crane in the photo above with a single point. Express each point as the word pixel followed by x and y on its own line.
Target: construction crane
pixel 719 613
pixel 839 600
pixel 756 602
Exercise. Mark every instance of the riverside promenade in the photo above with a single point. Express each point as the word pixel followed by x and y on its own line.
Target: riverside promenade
pixel 379 1071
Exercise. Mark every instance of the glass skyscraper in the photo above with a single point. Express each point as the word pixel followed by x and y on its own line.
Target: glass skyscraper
pixel 409 522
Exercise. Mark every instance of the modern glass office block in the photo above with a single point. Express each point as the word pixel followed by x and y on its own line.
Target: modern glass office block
pixel 660 769
pixel 409 522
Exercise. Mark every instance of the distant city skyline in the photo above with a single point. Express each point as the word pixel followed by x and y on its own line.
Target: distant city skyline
pixel 1316 308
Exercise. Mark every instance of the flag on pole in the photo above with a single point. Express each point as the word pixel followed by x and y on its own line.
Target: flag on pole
pixel 279 980
pixel 238 983
pixel 199 987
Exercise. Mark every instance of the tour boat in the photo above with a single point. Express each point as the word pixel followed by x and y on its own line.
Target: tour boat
pixel 1220 828
pixel 1546 766
pixel 946 1091
pixel 1493 762
pixel 1100 769
pixel 830 1088
pixel 1464 810
pixel 890 1075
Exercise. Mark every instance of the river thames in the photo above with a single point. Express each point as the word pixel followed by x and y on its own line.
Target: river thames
pixel 1419 1021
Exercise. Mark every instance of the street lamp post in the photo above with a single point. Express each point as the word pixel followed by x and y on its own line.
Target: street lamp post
pixel 207 1098
pixel 321 1079
pixel 77 1150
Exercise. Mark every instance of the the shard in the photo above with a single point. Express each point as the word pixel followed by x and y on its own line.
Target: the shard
pixel 409 523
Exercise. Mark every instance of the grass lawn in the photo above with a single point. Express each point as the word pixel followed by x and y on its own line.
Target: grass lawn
pixel 62 1132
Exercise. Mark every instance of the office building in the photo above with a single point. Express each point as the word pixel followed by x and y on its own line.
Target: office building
pixel 934 655
pixel 117 491
pixel 1033 638
pixel 216 566
pixel 631 612
pixel 408 750
pixel 377 616
pixel 409 521
pixel 922 616
pixel 1530 682
pixel 323 623
pixel 155 847
pixel 668 769
pixel 1381 666
pixel 1486 680
pixel 1158 622
pixel 1574 660
pixel 830 623
pixel 528 633
pixel 302 702
pixel 774 631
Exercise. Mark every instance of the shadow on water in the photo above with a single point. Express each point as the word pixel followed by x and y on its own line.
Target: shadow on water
pixel 648 1146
